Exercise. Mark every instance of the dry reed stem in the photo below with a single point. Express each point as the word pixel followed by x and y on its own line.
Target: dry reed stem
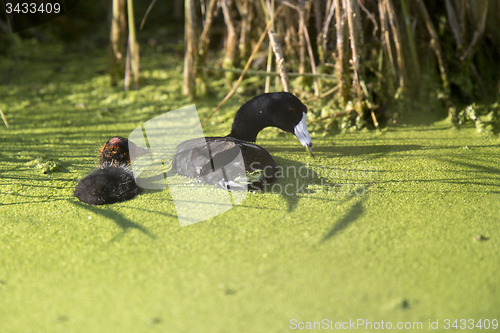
pixel 126 79
pixel 323 95
pixel 478 32
pixel 189 86
pixel 280 60
pixel 150 7
pixel 231 34
pixel 318 22
pixel 435 45
pixel 302 42
pixel 4 118
pixel 118 39
pixel 264 73
pixel 204 38
pixel 374 118
pixel 254 52
pixel 335 115
pixel 267 7
pixel 340 59
pixel 397 39
pixel 326 25
pixel 370 17
pixel 244 27
pixel 384 25
pixel 308 44
pixel 411 41
pixel 134 46
pixel 354 38
pixel 454 25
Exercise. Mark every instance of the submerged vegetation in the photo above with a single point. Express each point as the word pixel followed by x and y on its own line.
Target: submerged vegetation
pixel 399 225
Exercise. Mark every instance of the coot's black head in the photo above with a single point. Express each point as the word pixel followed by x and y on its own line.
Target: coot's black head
pixel 117 150
pixel 281 109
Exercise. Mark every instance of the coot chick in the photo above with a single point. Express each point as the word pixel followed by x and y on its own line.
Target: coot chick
pixel 200 158
pixel 116 150
pixel 112 181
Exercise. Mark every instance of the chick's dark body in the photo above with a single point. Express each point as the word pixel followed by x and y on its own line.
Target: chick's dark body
pixel 107 184
pixel 112 181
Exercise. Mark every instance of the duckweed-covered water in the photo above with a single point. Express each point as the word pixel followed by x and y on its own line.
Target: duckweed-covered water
pixel 401 225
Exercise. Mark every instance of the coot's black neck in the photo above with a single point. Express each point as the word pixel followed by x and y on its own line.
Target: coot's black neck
pixel 246 127
pixel 244 134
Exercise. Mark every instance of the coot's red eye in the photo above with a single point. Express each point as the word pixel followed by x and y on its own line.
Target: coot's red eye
pixel 292 110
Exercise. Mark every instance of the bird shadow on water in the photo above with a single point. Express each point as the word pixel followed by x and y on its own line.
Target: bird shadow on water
pixel 300 188
pixel 124 223
pixel 295 181
pixel 354 213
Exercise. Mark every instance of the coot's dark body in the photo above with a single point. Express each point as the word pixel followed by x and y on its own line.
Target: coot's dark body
pixel 193 160
pixel 112 181
pixel 200 158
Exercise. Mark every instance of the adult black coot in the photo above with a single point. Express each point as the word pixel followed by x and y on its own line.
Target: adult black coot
pixel 200 158
pixel 112 181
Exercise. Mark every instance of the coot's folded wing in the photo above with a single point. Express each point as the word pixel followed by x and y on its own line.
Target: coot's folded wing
pixel 221 155
pixel 223 151
pixel 192 155
pixel 202 158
